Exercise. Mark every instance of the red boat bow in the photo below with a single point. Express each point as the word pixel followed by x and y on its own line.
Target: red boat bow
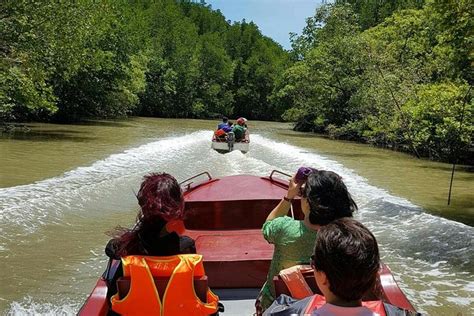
pixel 224 216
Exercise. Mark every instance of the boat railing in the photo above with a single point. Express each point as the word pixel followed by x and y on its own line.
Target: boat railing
pixel 280 172
pixel 289 176
pixel 188 184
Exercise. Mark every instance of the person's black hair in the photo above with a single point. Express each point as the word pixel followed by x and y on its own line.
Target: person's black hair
pixel 347 252
pixel 328 197
pixel 224 119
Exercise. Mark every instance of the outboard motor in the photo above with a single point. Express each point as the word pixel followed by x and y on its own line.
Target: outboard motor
pixel 230 140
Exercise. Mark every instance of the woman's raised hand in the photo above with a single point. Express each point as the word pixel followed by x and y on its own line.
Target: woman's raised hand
pixel 293 188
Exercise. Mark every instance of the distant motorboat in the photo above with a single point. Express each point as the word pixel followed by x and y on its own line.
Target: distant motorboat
pixel 227 143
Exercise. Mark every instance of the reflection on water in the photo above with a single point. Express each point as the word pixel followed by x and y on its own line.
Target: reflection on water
pixel 60 195
pixel 50 135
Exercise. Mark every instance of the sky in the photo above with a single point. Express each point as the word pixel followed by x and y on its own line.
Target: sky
pixel 275 18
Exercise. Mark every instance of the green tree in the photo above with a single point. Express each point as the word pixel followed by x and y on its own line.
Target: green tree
pixel 67 61
pixel 391 73
pixel 331 68
pixel 215 75
pixel 436 113
pixel 373 12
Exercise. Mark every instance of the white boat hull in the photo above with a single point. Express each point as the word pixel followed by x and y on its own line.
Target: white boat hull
pixel 224 147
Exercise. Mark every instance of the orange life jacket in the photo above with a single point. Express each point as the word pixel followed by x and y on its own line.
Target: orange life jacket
pixel 318 300
pixel 299 289
pixel 179 297
pixel 219 133
pixel 295 282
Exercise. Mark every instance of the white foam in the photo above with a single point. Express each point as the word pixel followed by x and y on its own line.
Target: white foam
pixel 34 205
pixel 31 307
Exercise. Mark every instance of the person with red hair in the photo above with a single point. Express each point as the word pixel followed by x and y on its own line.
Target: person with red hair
pixel 159 222
pixel 158 228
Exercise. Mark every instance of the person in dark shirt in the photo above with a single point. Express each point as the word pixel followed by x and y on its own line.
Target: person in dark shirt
pixel 221 134
pixel 228 128
pixel 224 123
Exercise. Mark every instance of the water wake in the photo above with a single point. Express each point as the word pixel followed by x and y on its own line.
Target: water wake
pixel 418 246
pixel 27 207
pixel 431 257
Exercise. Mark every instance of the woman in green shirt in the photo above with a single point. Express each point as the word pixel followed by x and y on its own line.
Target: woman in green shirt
pixel 324 198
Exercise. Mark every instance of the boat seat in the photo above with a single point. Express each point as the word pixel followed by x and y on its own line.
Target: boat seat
pixel 200 286
pixel 234 258
pixel 281 288
pixel 231 214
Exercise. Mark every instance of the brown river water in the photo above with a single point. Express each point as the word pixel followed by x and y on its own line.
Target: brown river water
pixel 63 186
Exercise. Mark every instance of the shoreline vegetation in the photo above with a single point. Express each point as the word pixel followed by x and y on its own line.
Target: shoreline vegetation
pixel 394 74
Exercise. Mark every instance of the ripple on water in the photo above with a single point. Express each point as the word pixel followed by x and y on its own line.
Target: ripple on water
pixel 430 257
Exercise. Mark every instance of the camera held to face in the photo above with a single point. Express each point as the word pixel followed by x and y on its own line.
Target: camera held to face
pixel 302 174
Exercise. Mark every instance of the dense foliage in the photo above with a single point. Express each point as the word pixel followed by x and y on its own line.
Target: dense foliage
pixel 393 73
pixel 69 60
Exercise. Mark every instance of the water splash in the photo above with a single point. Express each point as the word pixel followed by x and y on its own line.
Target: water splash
pixel 31 307
pixel 34 205
pixel 431 257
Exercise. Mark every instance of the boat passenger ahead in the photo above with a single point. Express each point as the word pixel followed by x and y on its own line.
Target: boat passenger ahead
pixel 324 198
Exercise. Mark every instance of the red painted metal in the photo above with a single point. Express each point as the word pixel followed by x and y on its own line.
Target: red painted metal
pixel 391 291
pixel 224 216
pixel 96 303
pixel 234 202
pixel 234 258
pixel 237 188
pixel 246 138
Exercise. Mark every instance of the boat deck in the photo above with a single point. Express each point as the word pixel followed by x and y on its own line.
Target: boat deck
pixel 234 258
pixel 238 301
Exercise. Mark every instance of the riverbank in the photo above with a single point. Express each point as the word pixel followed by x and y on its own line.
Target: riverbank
pixel 464 159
